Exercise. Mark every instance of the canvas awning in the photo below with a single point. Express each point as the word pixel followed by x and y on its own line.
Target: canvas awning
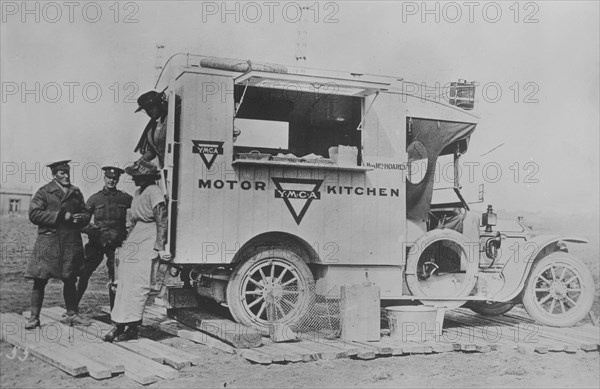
pixel 427 140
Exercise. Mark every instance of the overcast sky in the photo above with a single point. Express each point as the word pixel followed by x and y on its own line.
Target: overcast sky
pixel 542 56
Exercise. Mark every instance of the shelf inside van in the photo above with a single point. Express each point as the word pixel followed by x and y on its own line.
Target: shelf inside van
pixel 307 165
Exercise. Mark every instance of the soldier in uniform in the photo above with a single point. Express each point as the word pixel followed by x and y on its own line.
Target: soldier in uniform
pixel 58 209
pixel 152 142
pixel 107 231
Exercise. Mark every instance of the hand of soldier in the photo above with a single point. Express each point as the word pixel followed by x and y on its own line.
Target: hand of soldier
pixel 77 218
pixel 165 255
pixel 68 216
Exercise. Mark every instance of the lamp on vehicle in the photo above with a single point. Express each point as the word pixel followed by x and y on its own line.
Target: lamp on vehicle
pixel 462 94
pixel 488 219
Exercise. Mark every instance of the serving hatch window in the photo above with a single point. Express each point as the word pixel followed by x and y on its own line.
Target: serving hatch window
pixel 296 119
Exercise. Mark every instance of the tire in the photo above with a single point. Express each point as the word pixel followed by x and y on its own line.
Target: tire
pixel 453 284
pixel 559 291
pixel 273 282
pixel 488 308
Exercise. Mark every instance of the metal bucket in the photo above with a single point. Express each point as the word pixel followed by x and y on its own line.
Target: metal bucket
pixel 412 323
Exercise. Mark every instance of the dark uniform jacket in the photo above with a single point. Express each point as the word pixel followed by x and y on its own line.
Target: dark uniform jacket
pixel 109 208
pixel 58 250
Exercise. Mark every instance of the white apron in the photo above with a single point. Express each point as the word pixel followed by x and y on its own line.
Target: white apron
pixel 133 271
pixel 134 260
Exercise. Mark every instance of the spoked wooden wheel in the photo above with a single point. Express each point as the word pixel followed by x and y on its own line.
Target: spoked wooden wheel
pixel 275 285
pixel 559 291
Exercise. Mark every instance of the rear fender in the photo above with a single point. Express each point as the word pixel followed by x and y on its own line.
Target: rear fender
pixel 517 268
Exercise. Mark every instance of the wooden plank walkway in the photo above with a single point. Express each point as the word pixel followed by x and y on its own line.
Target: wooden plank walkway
pixel 80 351
pixel 464 331
pixel 517 330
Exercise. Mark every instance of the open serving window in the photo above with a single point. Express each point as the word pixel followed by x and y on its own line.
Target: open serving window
pixel 295 119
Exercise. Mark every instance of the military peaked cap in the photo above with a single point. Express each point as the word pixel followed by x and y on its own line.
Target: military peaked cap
pixel 112 172
pixel 59 165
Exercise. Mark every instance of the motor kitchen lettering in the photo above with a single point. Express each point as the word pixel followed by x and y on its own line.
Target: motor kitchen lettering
pixel 282 193
pixel 293 189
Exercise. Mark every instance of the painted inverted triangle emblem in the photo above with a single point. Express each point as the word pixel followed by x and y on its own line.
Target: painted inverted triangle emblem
pixel 208 162
pixel 298 194
pixel 207 148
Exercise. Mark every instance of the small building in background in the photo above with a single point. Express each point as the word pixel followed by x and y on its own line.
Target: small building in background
pixel 14 201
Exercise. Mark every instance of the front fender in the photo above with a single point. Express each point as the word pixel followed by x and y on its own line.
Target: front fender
pixel 521 260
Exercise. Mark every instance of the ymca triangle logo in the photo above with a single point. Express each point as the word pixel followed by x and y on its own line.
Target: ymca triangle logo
pixel 297 193
pixel 207 148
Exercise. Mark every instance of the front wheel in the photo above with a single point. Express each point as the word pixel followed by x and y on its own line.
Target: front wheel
pixel 274 286
pixel 559 291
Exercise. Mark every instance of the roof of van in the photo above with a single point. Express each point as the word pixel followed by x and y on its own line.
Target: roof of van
pixel 259 73
pixel 181 61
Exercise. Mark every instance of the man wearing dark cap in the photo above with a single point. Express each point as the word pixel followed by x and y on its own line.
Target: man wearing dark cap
pixel 107 232
pixel 58 209
pixel 152 142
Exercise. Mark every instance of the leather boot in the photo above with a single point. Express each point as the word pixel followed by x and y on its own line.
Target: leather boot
pixel 117 330
pixel 37 299
pixel 131 333
pixel 32 323
pixel 70 296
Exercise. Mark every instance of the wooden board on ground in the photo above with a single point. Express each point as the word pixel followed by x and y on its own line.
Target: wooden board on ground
pixel 465 331
pixel 289 354
pixel 323 350
pixel 349 348
pixel 136 347
pixel 394 346
pixel 380 348
pixel 171 352
pixel 238 335
pixel 81 347
pixel 156 351
pixel 137 367
pixel 136 364
pixel 293 349
pixel 13 332
pixel 255 356
pixel 177 329
pixel 523 332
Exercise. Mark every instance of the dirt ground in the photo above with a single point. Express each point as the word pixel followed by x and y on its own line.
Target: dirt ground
pixel 494 369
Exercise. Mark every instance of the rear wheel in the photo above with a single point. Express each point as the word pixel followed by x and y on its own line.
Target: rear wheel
pixel 559 291
pixel 489 308
pixel 275 285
